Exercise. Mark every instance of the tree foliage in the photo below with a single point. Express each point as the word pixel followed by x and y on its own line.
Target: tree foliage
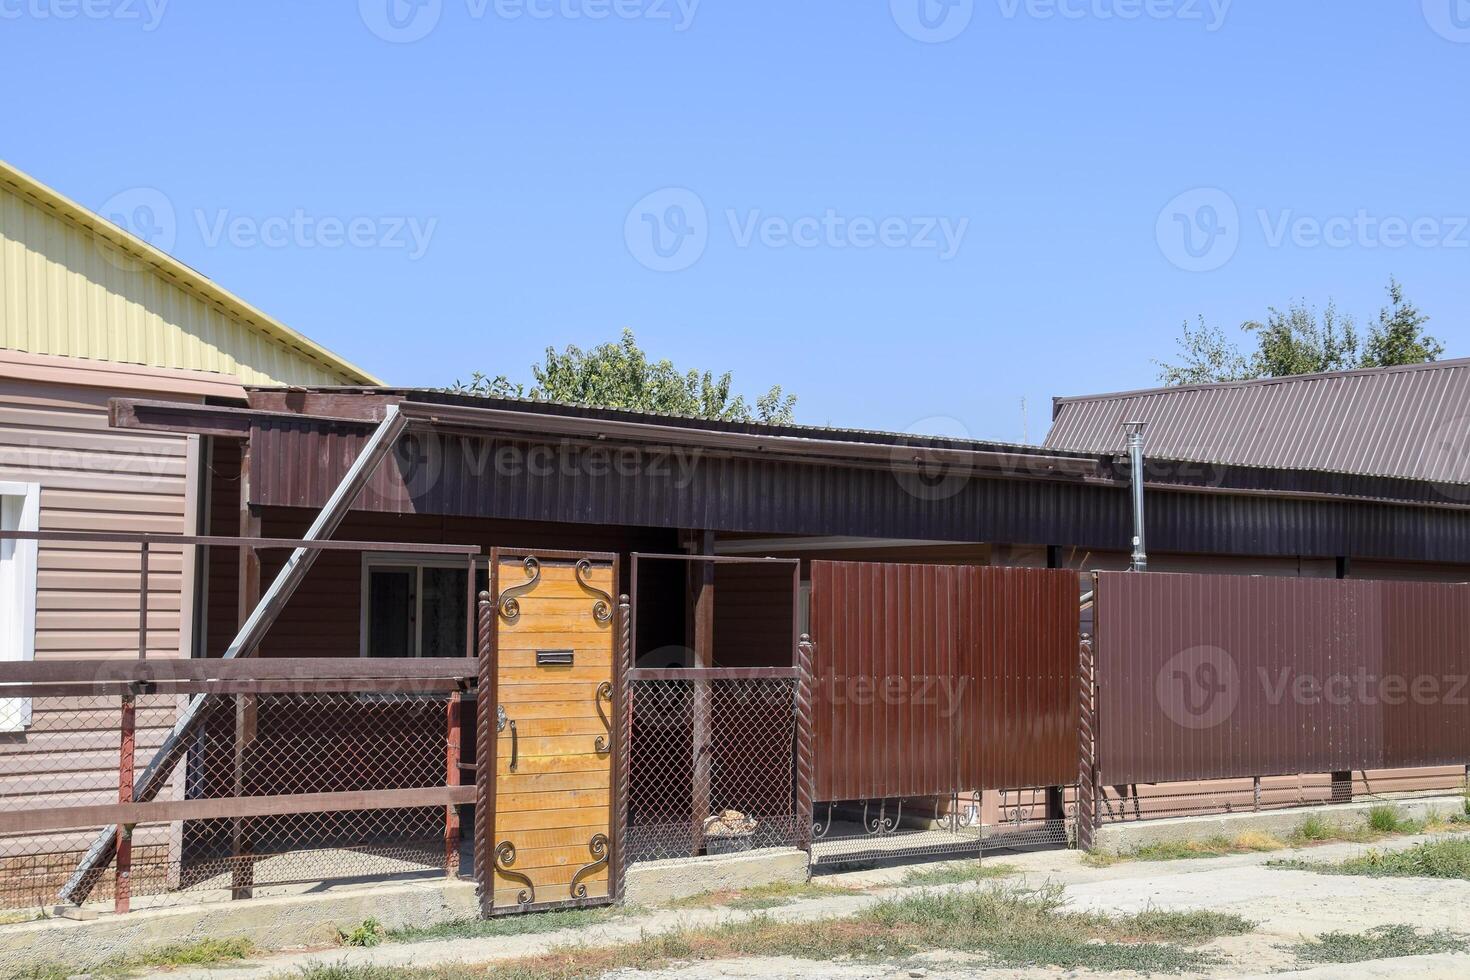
pixel 621 375
pixel 1297 340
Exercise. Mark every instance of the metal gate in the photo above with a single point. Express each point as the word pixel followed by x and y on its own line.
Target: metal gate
pixel 547 732
pixel 946 707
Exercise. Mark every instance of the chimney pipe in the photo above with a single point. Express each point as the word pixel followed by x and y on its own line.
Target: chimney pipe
pixel 1135 466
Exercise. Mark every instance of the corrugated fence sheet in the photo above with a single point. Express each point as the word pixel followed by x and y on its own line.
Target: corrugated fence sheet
pixel 1219 676
pixel 932 679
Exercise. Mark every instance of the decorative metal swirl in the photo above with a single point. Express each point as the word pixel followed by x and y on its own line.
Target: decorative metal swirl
pixel 505 856
pixel 882 825
pixel 818 829
pixel 602 608
pixel 510 606
pixel 598 847
pixel 604 693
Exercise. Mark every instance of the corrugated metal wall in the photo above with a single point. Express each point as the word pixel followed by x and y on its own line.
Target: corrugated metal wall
pixel 296 464
pixel 1217 676
pixel 932 679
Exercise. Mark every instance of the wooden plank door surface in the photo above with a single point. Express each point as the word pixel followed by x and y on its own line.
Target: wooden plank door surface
pixel 553 777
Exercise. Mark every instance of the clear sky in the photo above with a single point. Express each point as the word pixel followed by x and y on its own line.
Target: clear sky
pixel 912 213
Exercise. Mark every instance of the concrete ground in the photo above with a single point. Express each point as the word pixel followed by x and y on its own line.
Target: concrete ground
pixel 1288 905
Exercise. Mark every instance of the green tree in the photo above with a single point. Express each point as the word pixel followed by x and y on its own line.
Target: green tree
pixel 1399 337
pixel 1297 340
pixel 621 375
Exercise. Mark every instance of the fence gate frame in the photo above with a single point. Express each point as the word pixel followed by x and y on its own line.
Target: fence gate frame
pixel 604 849
pixel 707 681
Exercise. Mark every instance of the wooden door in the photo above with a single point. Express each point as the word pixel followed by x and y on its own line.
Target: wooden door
pixel 554 667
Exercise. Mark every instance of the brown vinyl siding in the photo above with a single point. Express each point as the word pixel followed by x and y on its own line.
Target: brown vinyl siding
pixel 93 478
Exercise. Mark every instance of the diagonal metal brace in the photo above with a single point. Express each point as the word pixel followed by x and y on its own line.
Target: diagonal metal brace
pixel 245 643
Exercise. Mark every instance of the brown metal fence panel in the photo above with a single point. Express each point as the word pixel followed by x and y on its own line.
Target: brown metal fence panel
pixel 1021 627
pixel 1219 676
pixel 932 679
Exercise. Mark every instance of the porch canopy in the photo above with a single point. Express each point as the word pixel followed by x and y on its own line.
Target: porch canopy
pixel 474 457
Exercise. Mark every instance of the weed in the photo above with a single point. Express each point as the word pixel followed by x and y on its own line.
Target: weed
pixel 511 925
pixel 1013 926
pixel 1247 843
pixel 205 952
pixel 1433 859
pixel 762 896
pixel 1314 828
pixel 956 872
pixel 1388 820
pixel 1382 943
pixel 368 933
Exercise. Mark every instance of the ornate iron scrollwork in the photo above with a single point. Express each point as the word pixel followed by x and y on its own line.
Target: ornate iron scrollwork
pixel 505 856
pixel 509 605
pixel 604 693
pixel 598 847
pixel 819 830
pixel 882 825
pixel 602 608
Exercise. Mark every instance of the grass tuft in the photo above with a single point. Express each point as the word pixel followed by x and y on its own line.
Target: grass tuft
pixel 1432 859
pixel 1384 942
pixel 205 952
pixel 1251 842
pixel 510 925
pixel 762 896
pixel 1010 925
pixel 956 873
pixel 1389 820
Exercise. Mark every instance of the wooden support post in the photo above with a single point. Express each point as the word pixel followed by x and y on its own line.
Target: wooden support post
pixel 701 627
pixel 452 778
pixel 127 749
pixel 242 870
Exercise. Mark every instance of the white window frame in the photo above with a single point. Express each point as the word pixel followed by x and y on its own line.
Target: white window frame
pixel 393 559
pixel 18 609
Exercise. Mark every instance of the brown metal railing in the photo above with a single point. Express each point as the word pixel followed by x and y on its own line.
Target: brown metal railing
pixel 246 725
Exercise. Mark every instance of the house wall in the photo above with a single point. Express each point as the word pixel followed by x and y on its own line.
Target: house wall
pixel 54 432
pixel 66 291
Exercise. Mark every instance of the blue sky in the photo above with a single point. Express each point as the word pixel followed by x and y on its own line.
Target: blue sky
pixel 913 217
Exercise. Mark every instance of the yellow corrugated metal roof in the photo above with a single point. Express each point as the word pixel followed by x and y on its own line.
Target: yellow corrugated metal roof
pixel 180 275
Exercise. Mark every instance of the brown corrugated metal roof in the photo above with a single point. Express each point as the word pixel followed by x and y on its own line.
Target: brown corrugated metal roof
pixel 1407 422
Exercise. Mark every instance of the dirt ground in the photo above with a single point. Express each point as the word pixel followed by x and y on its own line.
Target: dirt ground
pixel 1289 906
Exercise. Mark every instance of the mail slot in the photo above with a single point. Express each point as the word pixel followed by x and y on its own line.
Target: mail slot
pixel 553 658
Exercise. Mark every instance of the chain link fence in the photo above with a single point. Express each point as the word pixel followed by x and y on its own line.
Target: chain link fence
pixel 272 748
pixel 712 766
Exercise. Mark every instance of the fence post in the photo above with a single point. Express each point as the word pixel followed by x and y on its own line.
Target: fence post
pixel 127 748
pixel 452 778
pixel 1087 776
pixel 622 744
pixel 242 873
pixel 805 763
pixel 485 702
